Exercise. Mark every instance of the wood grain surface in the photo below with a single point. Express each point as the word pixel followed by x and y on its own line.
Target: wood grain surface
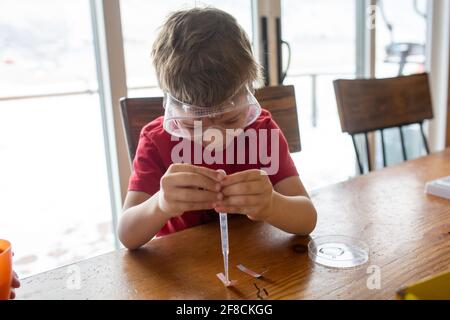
pixel 407 231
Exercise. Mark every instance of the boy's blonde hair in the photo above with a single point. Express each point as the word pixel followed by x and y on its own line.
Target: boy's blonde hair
pixel 202 56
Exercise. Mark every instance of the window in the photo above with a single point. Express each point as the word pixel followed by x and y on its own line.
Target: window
pixel 53 185
pixel 401 50
pixel 321 34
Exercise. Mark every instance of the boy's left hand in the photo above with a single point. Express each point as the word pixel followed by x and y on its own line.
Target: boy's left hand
pixel 249 192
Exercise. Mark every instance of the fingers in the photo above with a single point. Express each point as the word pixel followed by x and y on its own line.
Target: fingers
pixel 251 212
pixel 182 167
pixel 15 281
pixel 237 210
pixel 186 179
pixel 244 188
pixel 191 188
pixel 193 195
pixel 14 285
pixel 185 187
pixel 240 201
pixel 247 205
pixel 181 206
pixel 244 176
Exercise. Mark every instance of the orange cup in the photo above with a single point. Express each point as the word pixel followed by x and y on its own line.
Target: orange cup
pixel 5 269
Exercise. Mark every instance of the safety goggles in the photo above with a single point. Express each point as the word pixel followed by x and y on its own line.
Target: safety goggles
pixel 188 121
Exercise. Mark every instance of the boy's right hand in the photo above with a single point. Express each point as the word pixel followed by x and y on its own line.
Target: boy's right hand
pixel 185 187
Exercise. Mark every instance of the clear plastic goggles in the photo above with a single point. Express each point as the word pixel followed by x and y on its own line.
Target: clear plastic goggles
pixel 188 121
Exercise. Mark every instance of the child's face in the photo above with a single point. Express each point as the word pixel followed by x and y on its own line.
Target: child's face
pixel 235 119
pixel 225 127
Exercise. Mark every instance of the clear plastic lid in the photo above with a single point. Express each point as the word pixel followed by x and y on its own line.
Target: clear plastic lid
pixel 338 251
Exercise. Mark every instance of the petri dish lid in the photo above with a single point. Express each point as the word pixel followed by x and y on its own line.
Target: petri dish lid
pixel 338 251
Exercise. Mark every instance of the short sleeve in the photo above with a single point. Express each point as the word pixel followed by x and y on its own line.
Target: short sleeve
pixel 148 167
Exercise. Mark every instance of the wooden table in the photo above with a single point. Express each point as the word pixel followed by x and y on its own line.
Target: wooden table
pixel 408 233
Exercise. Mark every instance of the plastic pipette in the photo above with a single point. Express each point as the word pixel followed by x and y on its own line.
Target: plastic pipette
pixel 224 238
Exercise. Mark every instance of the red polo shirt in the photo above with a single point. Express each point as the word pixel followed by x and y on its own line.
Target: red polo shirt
pixel 154 156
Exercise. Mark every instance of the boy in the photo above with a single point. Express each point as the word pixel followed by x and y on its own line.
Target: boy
pixel 204 64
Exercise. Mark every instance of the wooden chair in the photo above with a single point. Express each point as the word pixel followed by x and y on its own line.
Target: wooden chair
pixel 367 105
pixel 279 100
